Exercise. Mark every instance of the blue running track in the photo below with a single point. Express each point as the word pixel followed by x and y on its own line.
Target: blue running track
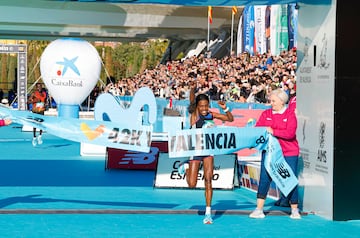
pixel 52 191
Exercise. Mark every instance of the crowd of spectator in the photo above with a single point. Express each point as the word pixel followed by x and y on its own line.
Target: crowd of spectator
pixel 242 78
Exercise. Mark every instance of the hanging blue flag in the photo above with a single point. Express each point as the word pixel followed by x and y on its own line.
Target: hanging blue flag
pixel 249 28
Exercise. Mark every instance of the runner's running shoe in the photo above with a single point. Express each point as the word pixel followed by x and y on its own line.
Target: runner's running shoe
pixel 34 141
pixel 39 140
pixel 257 213
pixel 295 214
pixel 208 219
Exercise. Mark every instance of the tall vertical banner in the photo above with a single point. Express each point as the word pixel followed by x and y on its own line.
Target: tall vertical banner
pixel 249 29
pixel 239 44
pixel 274 29
pixel 267 27
pixel 260 36
pixel 21 50
pixel 292 25
pixel 284 37
pixel 233 13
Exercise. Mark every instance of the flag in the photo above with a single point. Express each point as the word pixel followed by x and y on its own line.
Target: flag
pixel 208 25
pixel 292 25
pixel 210 14
pixel 249 29
pixel 234 10
pixel 240 43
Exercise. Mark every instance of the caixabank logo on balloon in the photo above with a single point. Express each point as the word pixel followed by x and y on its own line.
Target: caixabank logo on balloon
pixel 65 65
pixel 70 69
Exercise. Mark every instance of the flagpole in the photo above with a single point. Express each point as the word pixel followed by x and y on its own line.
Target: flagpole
pixel 208 36
pixel 232 33
pixel 208 33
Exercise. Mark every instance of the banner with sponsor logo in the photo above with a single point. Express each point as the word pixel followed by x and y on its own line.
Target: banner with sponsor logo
pixel 167 175
pixel 283 34
pixel 292 25
pixel 249 27
pixel 260 36
pixel 215 141
pixel 22 66
pixel 267 27
pixel 105 133
pixel 226 140
pixel 275 29
pixel 275 164
pixel 127 159
pixel 109 128
pixel 316 82
pixel 240 42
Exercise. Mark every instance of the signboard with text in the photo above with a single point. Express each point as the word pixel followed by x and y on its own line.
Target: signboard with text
pixel 21 51
pixel 167 175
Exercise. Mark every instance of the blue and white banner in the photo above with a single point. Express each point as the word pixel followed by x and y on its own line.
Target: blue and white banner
pixel 215 141
pixel 260 30
pixel 119 135
pixel 249 28
pixel 283 33
pixel 267 27
pixel 292 25
pixel 275 164
pixel 226 140
pixel 240 43
pixel 275 29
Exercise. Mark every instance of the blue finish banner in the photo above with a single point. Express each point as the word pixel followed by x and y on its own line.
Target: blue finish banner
pixel 276 166
pixel 225 140
pixel 118 135
pixel 215 141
